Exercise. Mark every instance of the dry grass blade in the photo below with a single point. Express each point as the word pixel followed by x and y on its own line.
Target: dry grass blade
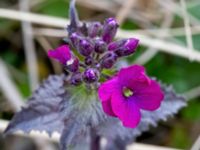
pixel 124 11
pixel 187 28
pixel 145 40
pixel 8 87
pixel 29 48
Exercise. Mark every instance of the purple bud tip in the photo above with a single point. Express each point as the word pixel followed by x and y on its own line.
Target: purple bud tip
pixel 76 79
pixel 75 37
pixel 100 46
pixel 124 47
pixel 108 60
pixel 116 45
pixel 61 54
pixel 73 64
pixel 85 47
pixel 91 75
pixel 109 29
pixel 94 29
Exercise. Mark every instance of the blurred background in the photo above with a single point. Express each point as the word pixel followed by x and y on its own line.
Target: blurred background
pixel 169 33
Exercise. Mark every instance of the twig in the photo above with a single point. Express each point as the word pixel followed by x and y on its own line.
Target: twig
pixel 164 46
pixel 29 48
pixel 145 40
pixel 187 28
pixel 196 145
pixel 34 18
pixel 151 52
pixel 193 93
pixel 56 136
pixel 124 11
pixel 46 46
pixel 9 89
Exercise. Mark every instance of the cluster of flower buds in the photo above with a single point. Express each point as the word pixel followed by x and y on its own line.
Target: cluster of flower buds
pixel 89 50
pixel 93 42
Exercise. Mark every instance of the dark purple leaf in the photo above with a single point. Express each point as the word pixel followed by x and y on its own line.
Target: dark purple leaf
pixel 57 107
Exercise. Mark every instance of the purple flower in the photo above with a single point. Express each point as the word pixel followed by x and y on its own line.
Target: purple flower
pixel 61 54
pixel 129 91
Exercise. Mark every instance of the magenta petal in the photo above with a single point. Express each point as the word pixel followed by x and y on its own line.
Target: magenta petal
pixel 150 97
pixel 127 111
pixel 107 108
pixel 107 88
pixel 133 77
pixel 62 54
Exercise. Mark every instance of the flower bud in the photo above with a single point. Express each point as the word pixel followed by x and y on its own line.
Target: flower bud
pixel 72 64
pixel 94 29
pixel 108 60
pixel 75 37
pixel 124 47
pixel 109 30
pixel 91 75
pixel 100 46
pixel 85 47
pixel 76 79
pixel 116 44
pixel 89 60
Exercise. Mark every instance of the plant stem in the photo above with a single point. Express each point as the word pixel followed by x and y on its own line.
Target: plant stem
pixel 95 140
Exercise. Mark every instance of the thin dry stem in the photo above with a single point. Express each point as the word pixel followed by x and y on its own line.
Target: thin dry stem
pixel 56 136
pixel 145 40
pixel 124 11
pixel 9 89
pixel 46 46
pixel 29 48
pixel 151 52
pixel 187 28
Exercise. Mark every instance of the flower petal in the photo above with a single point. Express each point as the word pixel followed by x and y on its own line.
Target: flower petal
pixel 133 77
pixel 107 88
pixel 107 108
pixel 127 111
pixel 150 97
pixel 62 54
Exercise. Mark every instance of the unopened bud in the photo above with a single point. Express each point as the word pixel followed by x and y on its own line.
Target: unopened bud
pixel 76 79
pixel 89 60
pixel 124 47
pixel 85 47
pixel 94 29
pixel 100 46
pixel 75 37
pixel 108 60
pixel 109 30
pixel 91 75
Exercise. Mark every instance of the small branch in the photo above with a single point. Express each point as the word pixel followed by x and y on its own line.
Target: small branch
pixel 162 45
pixel 187 28
pixel 196 145
pixel 29 48
pixel 56 136
pixel 34 18
pixel 124 11
pixel 94 140
pixel 9 89
pixel 46 46
pixel 151 52
pixel 193 93
pixel 145 40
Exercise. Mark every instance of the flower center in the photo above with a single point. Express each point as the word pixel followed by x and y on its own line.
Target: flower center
pixel 127 92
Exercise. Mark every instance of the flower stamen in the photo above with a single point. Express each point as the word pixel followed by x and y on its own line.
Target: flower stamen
pixel 127 92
